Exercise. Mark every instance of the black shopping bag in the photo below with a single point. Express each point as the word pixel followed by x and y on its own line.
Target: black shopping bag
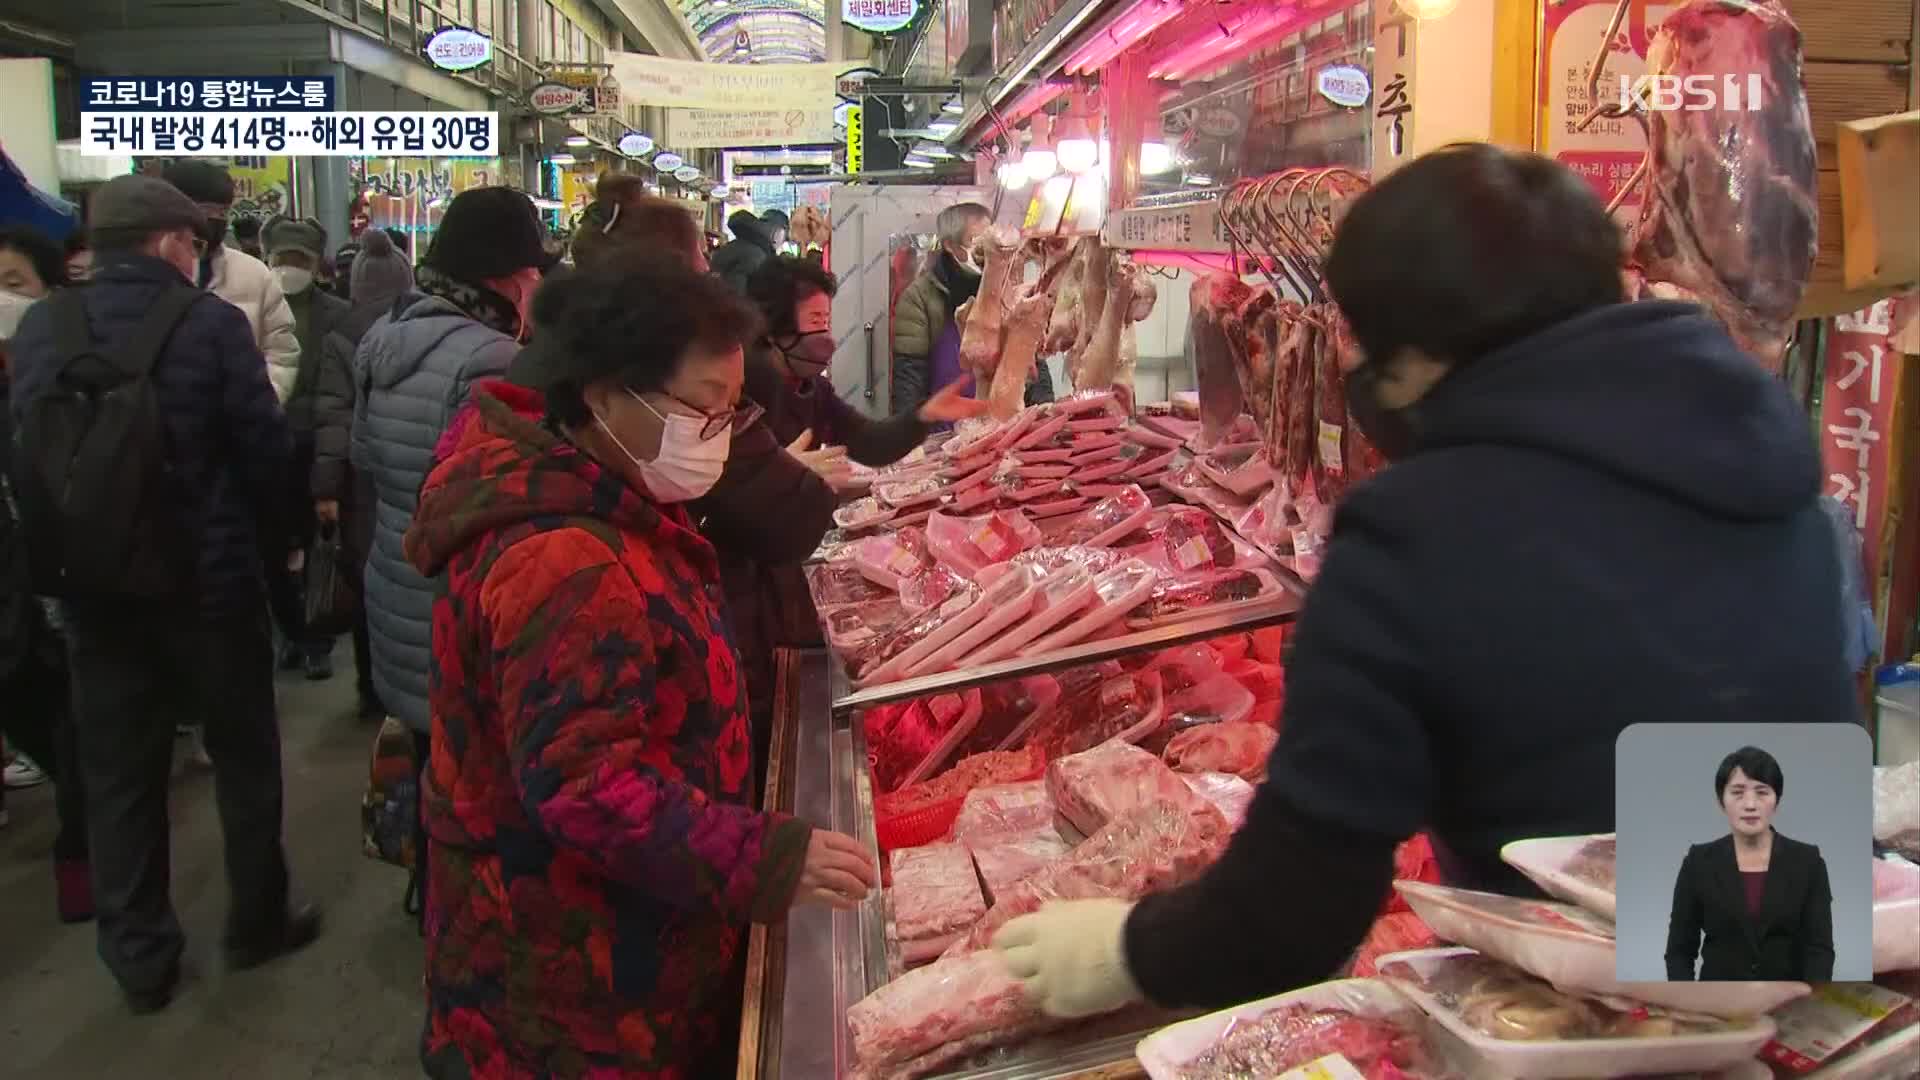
pixel 333 603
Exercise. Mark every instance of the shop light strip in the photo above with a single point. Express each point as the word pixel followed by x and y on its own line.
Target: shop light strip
pixel 1145 17
pixel 1219 43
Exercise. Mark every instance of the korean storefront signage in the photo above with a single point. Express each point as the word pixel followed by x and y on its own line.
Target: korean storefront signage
pixel 878 16
pixel 687 84
pixel 1394 34
pixel 456 48
pixel 262 186
pixel 1610 149
pixel 856 141
pixel 634 144
pixel 1343 84
pixel 715 128
pixel 559 99
pixel 1856 418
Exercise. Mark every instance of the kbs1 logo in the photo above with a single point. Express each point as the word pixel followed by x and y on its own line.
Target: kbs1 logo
pixel 1692 93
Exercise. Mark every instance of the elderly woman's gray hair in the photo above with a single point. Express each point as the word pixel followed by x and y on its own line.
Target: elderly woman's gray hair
pixel 955 220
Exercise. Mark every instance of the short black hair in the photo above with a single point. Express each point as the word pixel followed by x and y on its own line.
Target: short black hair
pixel 782 282
pixel 1757 764
pixel 402 243
pixel 246 227
pixel 39 249
pixel 633 322
pixel 1470 248
pixel 77 242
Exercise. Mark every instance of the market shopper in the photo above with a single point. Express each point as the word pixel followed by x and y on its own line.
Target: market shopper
pixel 592 859
pixel 176 629
pixel 343 497
pixel 237 277
pixel 926 339
pixel 1601 514
pixel 417 364
pixel 755 240
pixel 623 218
pixel 294 250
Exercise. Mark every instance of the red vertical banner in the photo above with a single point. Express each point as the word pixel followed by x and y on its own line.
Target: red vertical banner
pixel 1856 420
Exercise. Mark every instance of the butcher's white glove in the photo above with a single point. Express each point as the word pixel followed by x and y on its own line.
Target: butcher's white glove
pixel 1071 957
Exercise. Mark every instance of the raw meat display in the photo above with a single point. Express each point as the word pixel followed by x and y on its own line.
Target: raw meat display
pixel 1378 1048
pixel 856 628
pixel 999 809
pixel 980 335
pixel 1729 215
pixel 930 588
pixel 1195 540
pixel 979 770
pixel 916 639
pixel 1395 932
pixel 1096 786
pixel 906 494
pixel 1008 706
pixel 1127 708
pixel 1594 862
pixel 838 585
pixel 888 559
pixel 972 544
pixel 1241 749
pixel 1109 520
pixel 1008 596
pixel 1229 794
pixel 1501 1001
pixel 904 739
pixel 931 1015
pixel 1059 596
pixel 1244 469
pixel 935 897
pixel 1189 592
pixel 1096 275
pixel 1026 325
pixel 862 514
pixel 1152 849
pixel 1118 591
pixel 1006 859
pixel 1100 364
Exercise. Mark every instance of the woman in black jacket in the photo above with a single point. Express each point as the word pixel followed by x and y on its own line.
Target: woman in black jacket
pixel 1761 900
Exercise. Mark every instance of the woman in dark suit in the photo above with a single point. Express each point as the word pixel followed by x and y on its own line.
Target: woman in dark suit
pixel 1761 900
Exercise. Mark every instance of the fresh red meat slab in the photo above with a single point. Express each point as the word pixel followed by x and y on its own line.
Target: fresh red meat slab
pixel 944 1003
pixel 1006 859
pixel 1003 808
pixel 935 897
pixel 1379 1047
pixel 1110 781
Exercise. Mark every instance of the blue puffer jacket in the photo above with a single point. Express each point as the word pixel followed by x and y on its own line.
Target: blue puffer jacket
pixel 412 373
pixel 226 436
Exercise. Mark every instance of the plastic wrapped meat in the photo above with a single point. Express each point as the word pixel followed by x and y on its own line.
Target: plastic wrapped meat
pixel 857 628
pixel 1277 1042
pixel 1242 469
pixel 908 741
pixel 1118 591
pixel 1059 596
pixel 1594 863
pixel 930 588
pixel 862 514
pixel 935 897
pixel 1006 707
pixel 915 639
pixel 1006 859
pixel 1154 848
pixel 1109 520
pixel 1088 403
pixel 1195 540
pixel 1096 786
pixel 935 1014
pixel 905 494
pixel 1506 1003
pixel 971 544
pixel 1240 749
pixel 839 584
pixel 1051 558
pixel 996 767
pixel 1229 794
pixel 1004 808
pixel 891 558
pixel 1176 596
pixel 1007 596
pixel 1127 709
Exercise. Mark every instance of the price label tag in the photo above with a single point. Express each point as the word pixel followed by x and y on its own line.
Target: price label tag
pixel 1330 455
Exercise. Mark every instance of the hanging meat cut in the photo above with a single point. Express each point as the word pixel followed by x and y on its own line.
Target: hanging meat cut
pixel 1212 353
pixel 980 337
pixel 1729 218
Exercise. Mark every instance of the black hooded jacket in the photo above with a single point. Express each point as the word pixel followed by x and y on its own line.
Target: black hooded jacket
pixel 739 257
pixel 1612 522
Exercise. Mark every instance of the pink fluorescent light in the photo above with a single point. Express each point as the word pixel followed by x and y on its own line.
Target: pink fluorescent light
pixel 1028 103
pixel 1145 17
pixel 1248 44
pixel 1197 261
pixel 1223 37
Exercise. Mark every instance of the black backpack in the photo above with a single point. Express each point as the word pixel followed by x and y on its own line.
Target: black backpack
pixel 98 502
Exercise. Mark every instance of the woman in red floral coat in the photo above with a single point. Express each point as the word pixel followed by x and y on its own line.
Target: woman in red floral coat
pixel 592 860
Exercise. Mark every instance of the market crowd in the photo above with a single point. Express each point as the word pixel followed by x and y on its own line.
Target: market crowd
pixel 562 510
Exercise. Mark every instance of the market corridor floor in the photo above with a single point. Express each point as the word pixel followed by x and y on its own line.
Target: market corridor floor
pixel 347 1007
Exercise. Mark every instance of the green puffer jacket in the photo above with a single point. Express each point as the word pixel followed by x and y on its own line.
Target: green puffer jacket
pixel 920 316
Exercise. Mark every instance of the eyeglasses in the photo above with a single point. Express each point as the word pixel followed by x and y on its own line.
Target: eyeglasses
pixel 737 419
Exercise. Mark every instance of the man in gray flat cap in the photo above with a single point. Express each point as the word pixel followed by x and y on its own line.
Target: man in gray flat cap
pixel 157 558
pixel 294 248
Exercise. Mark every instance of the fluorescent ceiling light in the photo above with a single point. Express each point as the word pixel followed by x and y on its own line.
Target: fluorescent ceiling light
pixel 579 140
pixel 953 107
pixel 1074 146
pixel 561 159
pixel 1013 176
pixel 941 128
pixel 915 161
pixel 1199 180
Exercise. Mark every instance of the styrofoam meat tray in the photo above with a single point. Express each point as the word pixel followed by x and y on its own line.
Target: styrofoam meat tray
pixel 1166 1052
pixel 1544 861
pixel 1576 1059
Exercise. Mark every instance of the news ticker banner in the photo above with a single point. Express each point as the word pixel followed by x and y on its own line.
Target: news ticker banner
pixel 269 115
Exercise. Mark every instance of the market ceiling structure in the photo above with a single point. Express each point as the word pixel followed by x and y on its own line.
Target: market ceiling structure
pixel 759 31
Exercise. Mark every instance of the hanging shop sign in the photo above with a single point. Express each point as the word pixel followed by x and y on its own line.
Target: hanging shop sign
pixel 559 99
pixel 688 84
pixel 852 83
pixel 1344 85
pixel 1609 151
pixel 878 16
pixel 456 48
pixel 686 174
pixel 1394 37
pixel 262 186
pixel 1856 419
pixel 715 128
pixel 666 161
pixel 1218 122
pixel 856 140
pixel 634 144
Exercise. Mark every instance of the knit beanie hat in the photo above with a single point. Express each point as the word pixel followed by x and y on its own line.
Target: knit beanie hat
pixel 486 233
pixel 380 275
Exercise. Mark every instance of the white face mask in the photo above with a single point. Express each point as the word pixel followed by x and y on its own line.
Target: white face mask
pixel 687 467
pixel 293 279
pixel 13 307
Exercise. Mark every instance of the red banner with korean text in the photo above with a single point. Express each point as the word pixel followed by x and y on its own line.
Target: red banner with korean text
pixel 1856 421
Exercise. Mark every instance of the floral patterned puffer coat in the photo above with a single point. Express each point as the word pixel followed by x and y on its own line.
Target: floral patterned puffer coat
pixel 592 861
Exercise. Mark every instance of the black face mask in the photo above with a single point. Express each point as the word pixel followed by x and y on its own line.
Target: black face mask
pixel 1391 431
pixel 213 232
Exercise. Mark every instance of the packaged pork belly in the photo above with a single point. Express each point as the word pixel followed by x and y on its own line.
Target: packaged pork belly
pixel 971 544
pixel 836 585
pixel 908 741
pixel 1058 596
pixel 855 629
pixel 916 639
pixel 1118 591
pixel 1108 520
pixel 890 558
pixel 1240 749
pixel 1573 949
pixel 939 1013
pixel 863 514
pixel 1374 1032
pixel 930 588
pixel 1007 595
pixel 1241 469
pixel 1126 708
pixel 1005 859
pixel 1176 596
pixel 1111 780
pixel 934 898
pixel 1229 794
pixel 1528 1030
pixel 903 495
pixel 1085 403
pixel 1000 809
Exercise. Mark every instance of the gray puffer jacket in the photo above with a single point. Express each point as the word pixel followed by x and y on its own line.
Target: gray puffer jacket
pixel 412 372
